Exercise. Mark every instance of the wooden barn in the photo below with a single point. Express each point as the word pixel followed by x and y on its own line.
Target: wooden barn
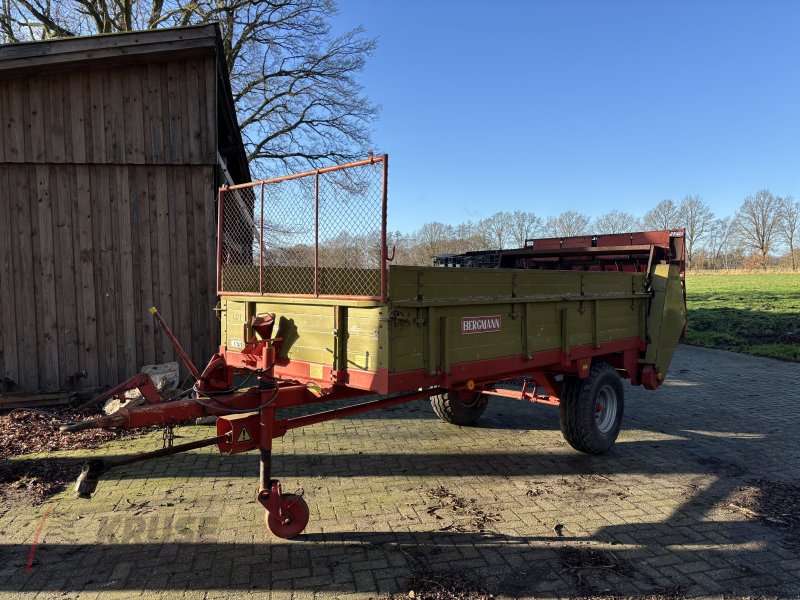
pixel 111 151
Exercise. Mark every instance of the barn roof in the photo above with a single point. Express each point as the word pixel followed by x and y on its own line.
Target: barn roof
pixel 119 49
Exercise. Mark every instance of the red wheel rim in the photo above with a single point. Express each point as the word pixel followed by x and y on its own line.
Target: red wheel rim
pixel 293 517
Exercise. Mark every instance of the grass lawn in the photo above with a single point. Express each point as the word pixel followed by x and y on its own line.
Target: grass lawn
pixel 753 313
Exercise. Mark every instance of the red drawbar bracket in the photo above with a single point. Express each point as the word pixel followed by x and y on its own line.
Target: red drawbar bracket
pixel 243 432
pixel 175 343
pixel 140 381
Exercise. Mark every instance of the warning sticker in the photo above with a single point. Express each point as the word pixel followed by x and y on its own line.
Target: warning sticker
pixel 244 436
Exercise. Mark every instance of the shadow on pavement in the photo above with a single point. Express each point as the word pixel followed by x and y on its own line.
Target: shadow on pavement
pixel 683 435
pixel 362 560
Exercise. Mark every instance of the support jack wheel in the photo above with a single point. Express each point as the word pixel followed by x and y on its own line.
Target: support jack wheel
pixel 291 518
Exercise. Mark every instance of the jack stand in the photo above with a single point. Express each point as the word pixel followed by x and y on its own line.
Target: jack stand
pixel 287 514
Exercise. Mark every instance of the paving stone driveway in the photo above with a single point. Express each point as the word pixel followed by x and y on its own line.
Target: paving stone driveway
pixel 398 497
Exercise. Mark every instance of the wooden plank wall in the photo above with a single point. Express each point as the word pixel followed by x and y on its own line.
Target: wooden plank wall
pixel 108 209
pixel 155 113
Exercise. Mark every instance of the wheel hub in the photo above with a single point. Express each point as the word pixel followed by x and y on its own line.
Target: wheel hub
pixel 605 409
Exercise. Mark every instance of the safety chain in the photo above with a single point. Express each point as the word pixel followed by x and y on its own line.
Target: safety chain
pixel 168 436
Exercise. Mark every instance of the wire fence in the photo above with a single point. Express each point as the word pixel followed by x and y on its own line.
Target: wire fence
pixel 321 233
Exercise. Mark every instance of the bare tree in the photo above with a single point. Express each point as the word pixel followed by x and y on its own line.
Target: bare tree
pixel 663 215
pixel 295 84
pixel 696 216
pixel 568 223
pixel 616 221
pixel 523 226
pixel 467 236
pixel 757 222
pixel 496 230
pixel 789 226
pixel 718 242
pixel 432 239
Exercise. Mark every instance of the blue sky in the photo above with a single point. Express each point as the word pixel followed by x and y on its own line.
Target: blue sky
pixel 590 106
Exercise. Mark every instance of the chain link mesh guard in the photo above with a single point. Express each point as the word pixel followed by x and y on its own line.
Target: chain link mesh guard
pixel 321 233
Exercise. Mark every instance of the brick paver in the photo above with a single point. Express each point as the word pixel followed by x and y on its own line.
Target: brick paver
pixel 189 526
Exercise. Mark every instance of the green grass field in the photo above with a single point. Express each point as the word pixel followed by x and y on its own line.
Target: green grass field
pixel 753 313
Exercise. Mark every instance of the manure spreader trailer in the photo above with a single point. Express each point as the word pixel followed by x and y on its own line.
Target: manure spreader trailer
pixel 313 311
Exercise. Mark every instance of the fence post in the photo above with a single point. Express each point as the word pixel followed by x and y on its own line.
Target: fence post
pixel 316 233
pixel 219 239
pixel 384 249
pixel 261 247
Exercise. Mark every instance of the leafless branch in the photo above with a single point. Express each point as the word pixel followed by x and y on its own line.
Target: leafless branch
pixel 568 223
pixel 789 227
pixel 663 215
pixel 616 221
pixel 757 222
pixel 295 84
pixel 696 217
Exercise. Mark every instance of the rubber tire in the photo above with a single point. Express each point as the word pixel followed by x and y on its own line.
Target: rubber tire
pixel 451 408
pixel 577 409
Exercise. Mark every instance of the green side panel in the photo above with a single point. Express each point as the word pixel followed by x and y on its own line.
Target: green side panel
pixel 547 283
pixel 544 332
pixel 307 330
pixel 367 339
pixel 666 318
pixel 579 326
pixel 234 317
pixel 457 348
pixel 464 283
pixel 420 327
pixel 619 319
pixel 437 284
pixel 406 340
pixel 403 282
pixel 537 311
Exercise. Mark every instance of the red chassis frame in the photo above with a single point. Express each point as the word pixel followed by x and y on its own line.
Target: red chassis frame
pixel 246 421
pixel 247 417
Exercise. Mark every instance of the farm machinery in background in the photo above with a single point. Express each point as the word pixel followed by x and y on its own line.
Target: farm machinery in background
pixel 312 312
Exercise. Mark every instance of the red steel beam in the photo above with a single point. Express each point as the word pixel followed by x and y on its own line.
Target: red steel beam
pixel 176 344
pixel 359 163
pixel 283 425
pixel 523 395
